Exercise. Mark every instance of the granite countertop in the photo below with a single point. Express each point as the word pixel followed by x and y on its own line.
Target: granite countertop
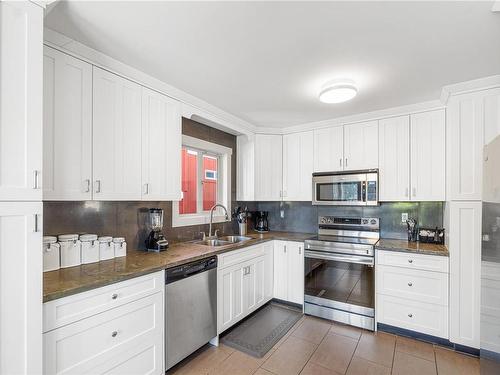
pixel 67 281
pixel 412 247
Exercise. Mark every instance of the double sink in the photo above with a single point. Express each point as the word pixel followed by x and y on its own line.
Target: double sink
pixel 223 241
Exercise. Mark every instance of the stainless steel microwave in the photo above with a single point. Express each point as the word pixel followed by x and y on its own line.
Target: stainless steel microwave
pixel 353 188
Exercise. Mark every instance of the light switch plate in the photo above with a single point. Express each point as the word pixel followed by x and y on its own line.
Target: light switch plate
pixel 404 217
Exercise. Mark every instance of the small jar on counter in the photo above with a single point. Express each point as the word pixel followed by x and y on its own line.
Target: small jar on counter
pixel 51 253
pixel 120 246
pixel 70 250
pixel 106 248
pixel 90 248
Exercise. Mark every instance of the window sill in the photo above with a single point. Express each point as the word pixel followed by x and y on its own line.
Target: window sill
pixel 195 219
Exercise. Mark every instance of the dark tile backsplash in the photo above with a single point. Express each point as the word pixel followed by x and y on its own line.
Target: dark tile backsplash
pixel 303 216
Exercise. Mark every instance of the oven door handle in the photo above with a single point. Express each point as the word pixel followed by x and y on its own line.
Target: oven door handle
pixel 368 261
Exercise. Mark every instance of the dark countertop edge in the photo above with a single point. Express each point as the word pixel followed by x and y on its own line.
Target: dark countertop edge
pixel 216 251
pixel 414 251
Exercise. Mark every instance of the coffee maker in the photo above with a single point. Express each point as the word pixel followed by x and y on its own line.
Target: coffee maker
pixel 260 221
pixel 156 241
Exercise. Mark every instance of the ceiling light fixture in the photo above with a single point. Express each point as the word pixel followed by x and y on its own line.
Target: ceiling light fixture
pixel 338 91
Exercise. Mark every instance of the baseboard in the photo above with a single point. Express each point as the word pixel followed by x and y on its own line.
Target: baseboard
pixel 427 338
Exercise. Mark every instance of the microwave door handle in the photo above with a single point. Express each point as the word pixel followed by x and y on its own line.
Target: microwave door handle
pixel 363 192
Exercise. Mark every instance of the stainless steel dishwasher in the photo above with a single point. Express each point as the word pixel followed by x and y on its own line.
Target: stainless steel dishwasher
pixel 190 308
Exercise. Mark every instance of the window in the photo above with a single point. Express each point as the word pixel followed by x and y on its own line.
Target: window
pixel 206 176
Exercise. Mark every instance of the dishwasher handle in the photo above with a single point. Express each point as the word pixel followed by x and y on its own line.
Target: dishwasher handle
pixel 187 270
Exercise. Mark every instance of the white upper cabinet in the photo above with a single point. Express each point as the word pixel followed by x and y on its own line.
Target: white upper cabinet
pixel 245 164
pixel 21 69
pixel 361 146
pixel 329 149
pixel 268 167
pixel 297 166
pixel 465 139
pixel 67 127
pixel 428 168
pixel 161 147
pixel 394 158
pixel 116 137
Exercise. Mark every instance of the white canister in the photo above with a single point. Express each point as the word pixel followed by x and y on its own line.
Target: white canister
pixel 70 250
pixel 106 248
pixel 90 248
pixel 51 251
pixel 120 246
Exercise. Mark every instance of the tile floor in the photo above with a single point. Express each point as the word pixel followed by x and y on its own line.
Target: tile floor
pixel 318 347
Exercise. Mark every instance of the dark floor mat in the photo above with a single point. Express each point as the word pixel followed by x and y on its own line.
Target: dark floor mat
pixel 260 332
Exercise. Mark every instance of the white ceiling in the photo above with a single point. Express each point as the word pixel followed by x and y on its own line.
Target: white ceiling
pixel 265 62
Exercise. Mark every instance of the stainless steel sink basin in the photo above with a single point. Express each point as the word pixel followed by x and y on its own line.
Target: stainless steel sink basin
pixel 214 242
pixel 222 241
pixel 234 239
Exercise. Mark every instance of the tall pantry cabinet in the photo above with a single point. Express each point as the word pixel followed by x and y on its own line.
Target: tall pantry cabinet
pixel 470 116
pixel 21 61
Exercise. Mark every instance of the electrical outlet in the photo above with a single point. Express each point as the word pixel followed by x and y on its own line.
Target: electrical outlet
pixel 404 217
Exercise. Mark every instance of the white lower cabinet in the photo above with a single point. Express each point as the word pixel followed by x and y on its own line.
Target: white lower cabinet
pixel 244 283
pixel 289 271
pixel 412 292
pixel 127 338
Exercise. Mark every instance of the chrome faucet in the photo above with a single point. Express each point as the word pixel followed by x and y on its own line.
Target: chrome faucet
pixel 212 217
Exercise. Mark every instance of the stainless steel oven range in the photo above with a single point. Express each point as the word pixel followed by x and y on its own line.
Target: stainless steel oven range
pixel 339 270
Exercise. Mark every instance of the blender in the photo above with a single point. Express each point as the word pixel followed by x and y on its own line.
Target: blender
pixel 156 241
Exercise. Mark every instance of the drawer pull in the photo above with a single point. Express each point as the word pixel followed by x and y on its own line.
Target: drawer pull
pixel 114 296
pixel 114 334
pixel 410 315
pixel 410 284
pixel 410 260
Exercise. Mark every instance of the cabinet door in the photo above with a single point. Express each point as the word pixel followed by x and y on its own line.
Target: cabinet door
pixel 280 270
pixel 21 72
pixel 249 287
pixel 161 147
pixel 329 149
pixel 116 137
pixel 245 168
pixel 465 135
pixel 465 272
pixel 21 288
pixel 394 158
pixel 428 156
pixel 361 146
pixel 268 167
pixel 297 166
pixel 230 296
pixel 268 270
pixel 67 127
pixel 295 272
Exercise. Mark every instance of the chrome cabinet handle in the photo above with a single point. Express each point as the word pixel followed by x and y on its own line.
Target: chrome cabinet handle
pixel 410 260
pixel 87 184
pixel 114 296
pixel 410 315
pixel 114 334
pixel 300 250
pixel 146 188
pixel 284 248
pixel 340 162
pixel 98 186
pixel 410 284
pixel 346 162
pixel 36 228
pixel 36 185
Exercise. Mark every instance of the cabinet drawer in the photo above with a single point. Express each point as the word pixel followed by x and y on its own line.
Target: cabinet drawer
pixel 107 340
pixel 417 285
pixel 238 256
pixel 417 316
pixel 70 309
pixel 414 261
